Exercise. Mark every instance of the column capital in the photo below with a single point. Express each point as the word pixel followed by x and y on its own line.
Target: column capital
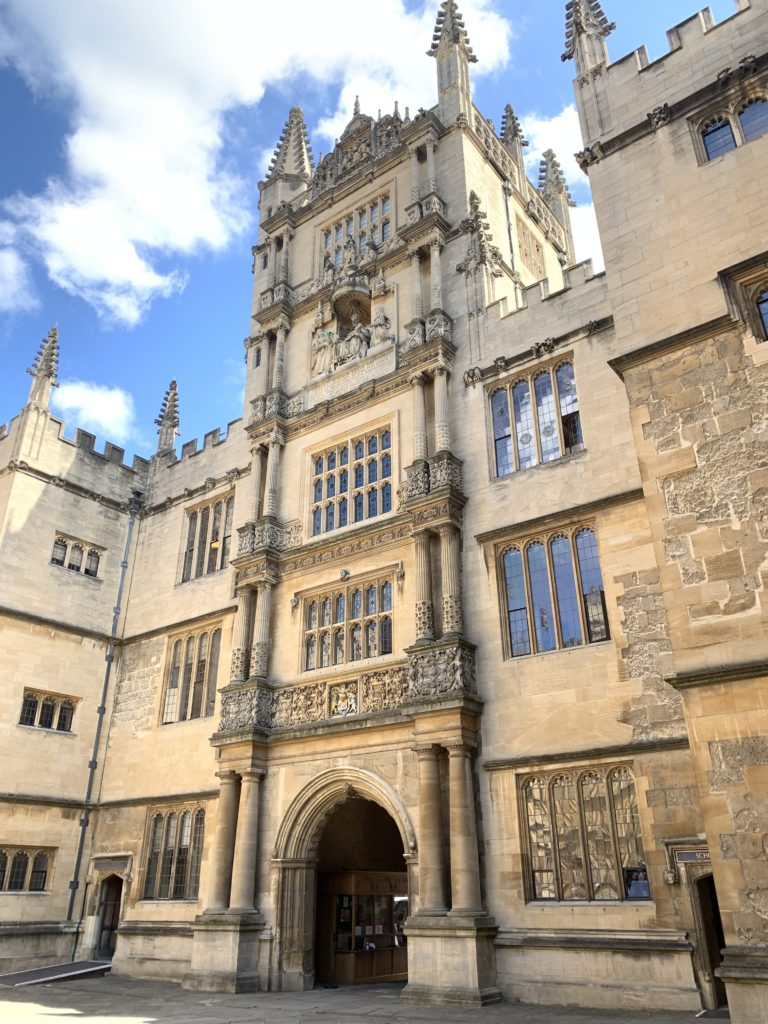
pixel 415 256
pixel 417 380
pixel 459 748
pixel 228 777
pixel 277 437
pixel 257 448
pixel 426 751
pixel 253 774
pixel 283 324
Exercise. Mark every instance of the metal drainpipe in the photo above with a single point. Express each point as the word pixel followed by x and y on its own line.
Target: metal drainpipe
pixel 134 504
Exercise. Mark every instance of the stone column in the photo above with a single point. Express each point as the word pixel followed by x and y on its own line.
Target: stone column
pixel 414 176
pixel 432 873
pixel 277 371
pixel 224 841
pixel 431 176
pixel 442 422
pixel 419 418
pixel 241 637
pixel 435 272
pixel 260 649
pixel 246 841
pixel 416 307
pixel 272 261
pixel 257 481
pixel 276 442
pixel 425 612
pixel 465 864
pixel 283 276
pixel 450 566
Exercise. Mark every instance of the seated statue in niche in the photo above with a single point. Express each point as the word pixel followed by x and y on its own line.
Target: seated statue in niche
pixel 355 343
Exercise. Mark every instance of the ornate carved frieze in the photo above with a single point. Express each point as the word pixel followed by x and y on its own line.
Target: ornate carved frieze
pixel 439 327
pixel 415 336
pixel 441 669
pixel 445 471
pixel 416 480
pixel 253 537
pixel 239 666
pixel 260 659
pixel 480 249
pixel 274 404
pixel 365 542
pixel 257 706
pixel 363 140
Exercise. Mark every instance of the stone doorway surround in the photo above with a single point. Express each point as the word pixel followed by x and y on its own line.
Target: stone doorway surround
pixel 294 864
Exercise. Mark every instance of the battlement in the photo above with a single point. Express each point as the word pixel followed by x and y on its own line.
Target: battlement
pixel 189 450
pixel 699 49
pixel 112 452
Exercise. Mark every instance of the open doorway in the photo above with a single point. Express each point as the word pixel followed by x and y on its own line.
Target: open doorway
pixel 709 935
pixel 362 897
pixel 110 898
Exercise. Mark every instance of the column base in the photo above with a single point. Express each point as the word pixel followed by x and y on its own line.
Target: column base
pixel 225 952
pixel 745 973
pixel 451 960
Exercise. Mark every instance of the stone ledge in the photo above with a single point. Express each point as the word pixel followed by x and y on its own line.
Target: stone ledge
pixel 429 995
pixel 624 941
pixel 743 963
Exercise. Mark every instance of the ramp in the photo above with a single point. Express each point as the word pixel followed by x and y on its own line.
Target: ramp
pixel 57 972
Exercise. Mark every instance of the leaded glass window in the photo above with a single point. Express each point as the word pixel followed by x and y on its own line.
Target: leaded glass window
pixel 370 222
pixel 174 853
pixel 353 624
pixel 369 475
pixel 535 419
pixel 208 539
pixel 25 869
pixel 47 711
pixel 754 119
pixel 193 665
pixel 554 593
pixel 762 311
pixel 718 138
pixel 583 836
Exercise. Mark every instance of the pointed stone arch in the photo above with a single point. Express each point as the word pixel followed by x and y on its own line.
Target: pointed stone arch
pixel 294 862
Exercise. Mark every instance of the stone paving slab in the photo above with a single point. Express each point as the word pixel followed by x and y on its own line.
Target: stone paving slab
pixel 116 1000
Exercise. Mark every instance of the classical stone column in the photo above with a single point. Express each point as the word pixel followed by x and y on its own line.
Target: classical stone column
pixel 257 482
pixel 283 278
pixel 224 841
pixel 260 648
pixel 432 873
pixel 450 565
pixel 419 418
pixel 435 273
pixel 241 637
pixel 272 261
pixel 246 841
pixel 416 307
pixel 276 442
pixel 431 176
pixel 425 612
pixel 442 422
pixel 277 372
pixel 414 176
pixel 465 864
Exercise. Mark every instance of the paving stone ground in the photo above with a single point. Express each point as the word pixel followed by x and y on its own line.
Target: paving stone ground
pixel 122 1001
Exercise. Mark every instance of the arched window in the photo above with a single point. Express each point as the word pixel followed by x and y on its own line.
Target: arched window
pixel 517 603
pixel 753 118
pixel 66 714
pixel 356 644
pixel 526 441
pixel 47 713
pixel 190 690
pixel 592 591
pixel 59 554
pixel 339 608
pixel 546 418
pixel 325 649
pixel 312 615
pixel 718 138
pixel 541 598
pixel 28 709
pixel 75 561
pixel 370 600
pixel 3 868
pixel 371 645
pixel 153 858
pixel 166 863
pixel 343 512
pixel 565 590
pixel 39 874
pixel 196 854
pixel 174 853
pixel 330 518
pixel 171 707
pixel 213 672
pixel 182 856
pixel 18 874
pixel 309 658
pixel 385 635
pixel 762 311
pixel 92 563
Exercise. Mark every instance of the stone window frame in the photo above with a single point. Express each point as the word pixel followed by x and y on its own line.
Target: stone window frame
pixel 729 110
pixel 594 624
pixel 61 710
pixel 549 826
pixel 358 224
pixel 78 556
pixel 382 489
pixel 165 873
pixel 11 857
pixel 529 376
pixel 316 627
pixel 189 689
pixel 746 286
pixel 206 541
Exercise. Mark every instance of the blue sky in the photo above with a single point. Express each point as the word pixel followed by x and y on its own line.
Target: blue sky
pixel 135 132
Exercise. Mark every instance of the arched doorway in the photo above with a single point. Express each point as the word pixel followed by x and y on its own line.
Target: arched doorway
pixel 297 853
pixel 110 898
pixel 362 897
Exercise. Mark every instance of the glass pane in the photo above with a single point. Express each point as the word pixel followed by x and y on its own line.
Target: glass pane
pixel 370 601
pixel 330 487
pixel 359 508
pixel 332 460
pixel 754 119
pixel 344 456
pixel 359 476
pixel 385 635
pixel 540 840
pixel 75 558
pixel 317 522
pixel 92 564
pixel 602 863
pixel 197 689
pixel 592 586
pixel 64 723
pixel 517 604
pixel 373 445
pixel 318 490
pixel 202 542
pixel 386 498
pixel 182 856
pixel 526 442
pixel 325 614
pixel 155 845
pixel 338 647
pixel 343 481
pixel 164 882
pixel 214 543
pixel 386 465
pixel 565 591
pixel 545 411
pixel 356 643
pixel 373 471
pixel 196 854
pixel 330 515
pixel 309 657
pixel 371 645
pixel 39 874
pixel 359 449
pixel 312 615
pixel 386 597
pixel 186 678
pixel 568 833
pixel 172 693
pixel 343 512
pixel 28 711
pixel 386 439
pixel 628 836
pixel 502 433
pixel 47 712
pixel 373 504
pixel 566 389
pixel 186 572
pixel 543 622
pixel 319 465
pixel 325 650
pixel 339 612
pixel 59 553
pixel 213 671
pixel 18 873
pixel 3 869
pixel 762 309
pixel 718 139
pixel 357 604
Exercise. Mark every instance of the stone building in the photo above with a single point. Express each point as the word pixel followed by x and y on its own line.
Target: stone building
pixel 448 661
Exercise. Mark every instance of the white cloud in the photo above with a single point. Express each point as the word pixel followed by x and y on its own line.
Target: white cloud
pixel 148 83
pixel 108 412
pixel 16 292
pixel 586 238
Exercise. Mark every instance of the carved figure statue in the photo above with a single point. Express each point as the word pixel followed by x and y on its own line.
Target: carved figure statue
pixel 323 348
pixel 356 343
pixel 381 332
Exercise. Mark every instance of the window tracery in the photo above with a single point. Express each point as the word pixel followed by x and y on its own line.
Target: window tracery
pixel 208 538
pixel 76 556
pixel 25 869
pixel 351 482
pixel 47 711
pixel 190 688
pixel 174 854
pixel 349 623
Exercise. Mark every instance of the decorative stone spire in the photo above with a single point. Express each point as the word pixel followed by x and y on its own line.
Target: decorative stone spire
pixel 168 420
pixel 512 136
pixel 557 196
pixel 586 28
pixel 449 28
pixel 450 47
pixel 43 370
pixel 293 154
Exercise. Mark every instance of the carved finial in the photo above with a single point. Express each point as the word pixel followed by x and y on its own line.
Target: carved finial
pixel 168 420
pixel 293 154
pixel 552 182
pixel 44 368
pixel 356 110
pixel 450 27
pixel 511 131
pixel 397 109
pixel 586 26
